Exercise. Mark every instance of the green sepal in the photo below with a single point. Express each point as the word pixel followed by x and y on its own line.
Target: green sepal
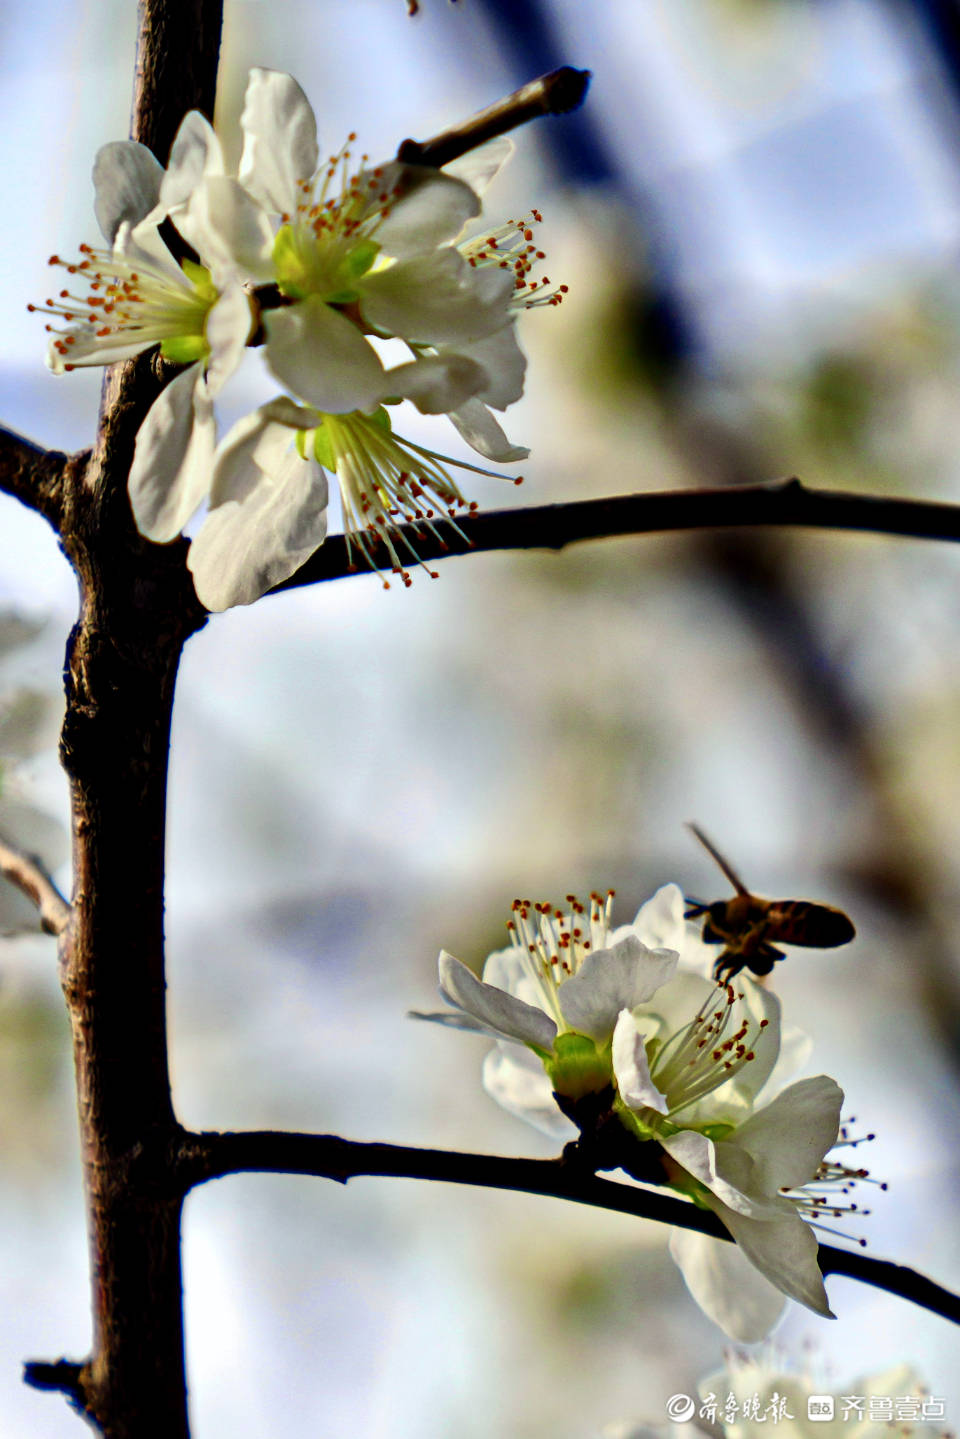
pixel 199 277
pixel 716 1132
pixel 359 259
pixel 306 268
pixel 300 440
pixel 323 451
pixel 184 349
pixel 632 1122
pixel 288 265
pixel 692 1189
pixel 576 1067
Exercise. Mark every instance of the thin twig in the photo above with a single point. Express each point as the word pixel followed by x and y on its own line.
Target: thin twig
pixel 556 93
pixel 32 475
pixel 212 1156
pixel 787 503
pixel 61 1375
pixel 30 876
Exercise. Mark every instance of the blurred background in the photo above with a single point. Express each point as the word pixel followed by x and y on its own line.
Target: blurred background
pixel 758 215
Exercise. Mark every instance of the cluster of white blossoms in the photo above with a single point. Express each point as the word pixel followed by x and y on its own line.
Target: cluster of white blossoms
pixel 316 260
pixel 692 1070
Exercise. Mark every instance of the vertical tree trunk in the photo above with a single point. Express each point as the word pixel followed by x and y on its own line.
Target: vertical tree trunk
pixel 137 609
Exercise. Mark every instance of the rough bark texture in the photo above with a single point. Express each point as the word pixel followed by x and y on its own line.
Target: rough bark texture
pixel 137 608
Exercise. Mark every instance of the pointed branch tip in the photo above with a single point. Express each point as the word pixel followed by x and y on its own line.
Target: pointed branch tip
pixel 556 93
pixel 63 1376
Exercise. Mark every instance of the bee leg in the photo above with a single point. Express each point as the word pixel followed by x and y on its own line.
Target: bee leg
pixel 727 966
pixel 765 957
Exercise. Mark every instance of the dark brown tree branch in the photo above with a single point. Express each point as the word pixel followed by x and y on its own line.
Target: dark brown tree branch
pixel 176 70
pixel 212 1156
pixel 137 609
pixel 556 93
pixel 32 475
pixel 31 878
pixel 61 1376
pixel 787 503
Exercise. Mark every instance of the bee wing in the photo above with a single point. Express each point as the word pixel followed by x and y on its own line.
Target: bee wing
pixel 715 855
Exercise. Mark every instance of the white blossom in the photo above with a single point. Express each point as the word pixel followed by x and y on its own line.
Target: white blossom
pixel 357 252
pixel 558 988
pixel 696 1068
pixel 268 498
pixel 321 261
pixel 134 296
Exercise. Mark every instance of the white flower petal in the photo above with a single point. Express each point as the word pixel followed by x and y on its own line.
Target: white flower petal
pixel 142 245
pixel 437 383
pixel 436 299
pixel 727 1286
pixel 631 1068
pixel 610 980
pixel 194 155
pixel 510 969
pixel 795 1050
pixel 126 178
pixel 762 1008
pixel 322 357
pixel 88 350
pixel 516 1079
pixel 227 330
pixel 454 1019
pixel 788 1138
pixel 245 547
pixel 508 1016
pixel 484 434
pixel 504 363
pixel 727 1171
pixel 280 140
pixel 256 446
pixel 431 209
pixel 173 459
pixel 229 230
pixel 478 168
pixel 785 1252
pixel 660 920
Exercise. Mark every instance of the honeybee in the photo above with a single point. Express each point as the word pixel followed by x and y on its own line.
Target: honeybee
pixel 745 924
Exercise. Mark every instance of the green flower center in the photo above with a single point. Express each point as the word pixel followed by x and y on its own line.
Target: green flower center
pixel 129 303
pixel 323 264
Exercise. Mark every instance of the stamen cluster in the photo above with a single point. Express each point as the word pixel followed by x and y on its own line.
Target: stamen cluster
pixel 825 1196
pixel 511 247
pixel 130 304
pixel 554 942
pixel 697 1059
pixel 386 481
